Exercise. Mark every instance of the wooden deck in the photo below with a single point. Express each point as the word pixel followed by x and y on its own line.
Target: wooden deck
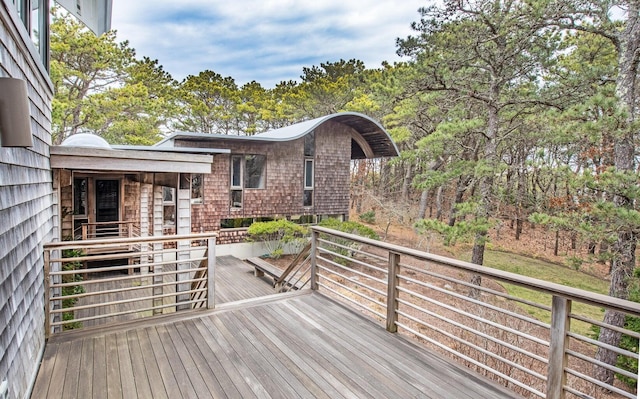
pixel 291 346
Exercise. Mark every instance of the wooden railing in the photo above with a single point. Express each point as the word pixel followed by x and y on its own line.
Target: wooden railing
pixel 104 280
pixel 119 228
pixel 297 275
pixel 543 347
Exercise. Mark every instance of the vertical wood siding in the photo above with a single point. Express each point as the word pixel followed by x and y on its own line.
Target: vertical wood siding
pixel 26 215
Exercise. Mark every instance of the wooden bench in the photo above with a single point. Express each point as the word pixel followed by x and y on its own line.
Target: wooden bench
pixel 262 267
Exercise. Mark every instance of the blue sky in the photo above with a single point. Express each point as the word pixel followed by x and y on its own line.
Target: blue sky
pixel 263 40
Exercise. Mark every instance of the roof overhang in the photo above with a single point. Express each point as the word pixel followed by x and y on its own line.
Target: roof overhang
pixel 369 138
pixel 128 161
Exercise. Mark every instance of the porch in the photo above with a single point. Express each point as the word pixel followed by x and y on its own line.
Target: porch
pixel 328 337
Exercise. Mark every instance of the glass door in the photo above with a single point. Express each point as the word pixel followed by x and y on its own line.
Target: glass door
pixel 107 207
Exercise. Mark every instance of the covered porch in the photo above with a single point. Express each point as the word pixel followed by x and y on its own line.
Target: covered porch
pixel 125 192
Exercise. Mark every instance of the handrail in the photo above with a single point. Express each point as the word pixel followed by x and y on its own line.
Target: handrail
pixel 160 274
pixel 592 298
pixel 117 228
pixel 126 240
pixel 535 347
pixel 292 266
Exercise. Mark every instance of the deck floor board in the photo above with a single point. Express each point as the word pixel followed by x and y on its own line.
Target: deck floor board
pixel 303 346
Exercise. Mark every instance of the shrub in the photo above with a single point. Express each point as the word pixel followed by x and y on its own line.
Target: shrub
pixel 346 227
pixel 278 233
pixel 368 217
pixel 71 290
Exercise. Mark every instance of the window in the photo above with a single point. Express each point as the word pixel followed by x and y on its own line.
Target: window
pixel 247 172
pixel 236 171
pixel 308 173
pixel 35 17
pixel 308 183
pixel 169 206
pixel 197 189
pixel 193 183
pixel 80 197
pixel 254 171
pixel 309 145
pixel 236 198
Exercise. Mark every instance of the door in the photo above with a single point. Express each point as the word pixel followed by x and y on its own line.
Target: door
pixel 107 206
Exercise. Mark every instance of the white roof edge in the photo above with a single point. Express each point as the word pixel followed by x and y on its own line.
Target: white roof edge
pixel 286 133
pixel 167 148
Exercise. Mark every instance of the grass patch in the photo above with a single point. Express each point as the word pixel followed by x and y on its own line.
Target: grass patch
pixel 550 272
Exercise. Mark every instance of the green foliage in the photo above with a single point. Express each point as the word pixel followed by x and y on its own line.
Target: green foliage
pixel 464 230
pixel 574 262
pixel 349 227
pixel 368 217
pixel 100 87
pixel 278 233
pixel 73 289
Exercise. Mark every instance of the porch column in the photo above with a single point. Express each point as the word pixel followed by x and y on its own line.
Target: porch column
pixel 158 218
pixel 146 201
pixel 183 227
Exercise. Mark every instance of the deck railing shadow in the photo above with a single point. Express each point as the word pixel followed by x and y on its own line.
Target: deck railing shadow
pixel 544 348
pixel 104 280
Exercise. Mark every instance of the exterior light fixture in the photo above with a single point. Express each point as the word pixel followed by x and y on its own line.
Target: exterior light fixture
pixel 15 119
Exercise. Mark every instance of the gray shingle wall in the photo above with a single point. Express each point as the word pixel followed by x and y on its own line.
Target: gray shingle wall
pixel 26 216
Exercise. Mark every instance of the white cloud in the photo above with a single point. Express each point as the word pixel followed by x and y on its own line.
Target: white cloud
pixel 267 41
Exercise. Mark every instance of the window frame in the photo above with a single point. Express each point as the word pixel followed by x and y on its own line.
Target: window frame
pixel 240 172
pixel 239 178
pixel 167 205
pixel 309 185
pixel 39 29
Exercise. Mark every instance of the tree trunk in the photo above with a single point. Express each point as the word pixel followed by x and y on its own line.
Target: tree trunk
pixel 422 209
pixel 461 188
pixel 624 260
pixel 406 182
pixel 518 228
pixel 486 184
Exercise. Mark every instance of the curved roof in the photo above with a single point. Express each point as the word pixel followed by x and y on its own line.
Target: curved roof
pixel 85 140
pixel 370 140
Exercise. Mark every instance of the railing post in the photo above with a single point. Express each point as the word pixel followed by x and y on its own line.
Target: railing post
pixel 47 293
pixel 211 273
pixel 314 270
pixel 559 342
pixel 84 232
pixel 392 291
pixel 158 279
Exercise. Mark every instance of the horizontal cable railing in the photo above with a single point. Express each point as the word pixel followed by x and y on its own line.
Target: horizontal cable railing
pixel 118 228
pixel 105 280
pixel 542 347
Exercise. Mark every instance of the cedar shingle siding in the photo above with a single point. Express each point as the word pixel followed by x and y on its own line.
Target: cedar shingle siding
pixel 26 217
pixel 283 192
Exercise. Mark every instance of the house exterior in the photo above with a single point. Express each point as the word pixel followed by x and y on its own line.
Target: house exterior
pixel 194 183
pixel 300 172
pixel 28 214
